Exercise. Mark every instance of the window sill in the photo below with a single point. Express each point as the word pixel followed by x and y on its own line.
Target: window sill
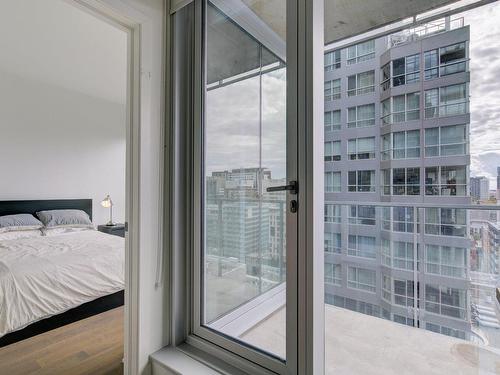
pixel 187 360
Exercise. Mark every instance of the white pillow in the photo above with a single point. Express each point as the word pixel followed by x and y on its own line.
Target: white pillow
pixel 61 230
pixel 18 234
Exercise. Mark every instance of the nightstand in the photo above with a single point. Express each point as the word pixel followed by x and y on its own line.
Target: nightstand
pixel 114 230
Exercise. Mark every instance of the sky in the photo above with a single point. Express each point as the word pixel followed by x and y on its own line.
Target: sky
pixel 233 129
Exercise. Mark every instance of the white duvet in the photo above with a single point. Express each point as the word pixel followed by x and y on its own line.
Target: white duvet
pixel 45 276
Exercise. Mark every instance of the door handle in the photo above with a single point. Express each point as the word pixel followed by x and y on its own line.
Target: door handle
pixel 292 187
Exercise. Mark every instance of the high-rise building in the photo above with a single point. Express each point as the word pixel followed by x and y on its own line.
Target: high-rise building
pixel 479 188
pixel 396 135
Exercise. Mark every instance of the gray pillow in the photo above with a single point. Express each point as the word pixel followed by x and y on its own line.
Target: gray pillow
pixel 9 223
pixel 67 218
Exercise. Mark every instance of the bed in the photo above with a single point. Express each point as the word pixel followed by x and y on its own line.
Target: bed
pixel 47 282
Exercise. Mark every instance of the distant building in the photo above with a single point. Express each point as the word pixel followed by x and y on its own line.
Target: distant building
pixel 480 188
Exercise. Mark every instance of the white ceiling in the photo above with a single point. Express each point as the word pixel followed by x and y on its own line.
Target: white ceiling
pixel 57 43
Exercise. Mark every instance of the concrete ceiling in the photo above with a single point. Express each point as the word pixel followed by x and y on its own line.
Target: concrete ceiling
pixel 345 18
pixel 54 42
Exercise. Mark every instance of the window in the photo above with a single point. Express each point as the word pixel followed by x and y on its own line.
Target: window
pixel 361 116
pixel 386 76
pixel 361 52
pixel 332 90
pixel 447 301
pixel 446 141
pixel 361 148
pixel 404 320
pixel 332 213
pixel 401 108
pixel 332 121
pixel 405 70
pixel 386 288
pixel 405 181
pixel 402 219
pixel 333 242
pixel 403 255
pixel 446 60
pixel 362 215
pixel 362 246
pixel 446 261
pixel 332 182
pixel 403 293
pixel 360 278
pixel 332 151
pixel 449 180
pixel 401 145
pixel 332 60
pixel 399 254
pixel 446 221
pixel 361 181
pixel 333 274
pixel 446 101
pixel 445 330
pixel 362 83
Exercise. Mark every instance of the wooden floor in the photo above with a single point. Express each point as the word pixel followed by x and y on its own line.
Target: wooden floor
pixel 91 346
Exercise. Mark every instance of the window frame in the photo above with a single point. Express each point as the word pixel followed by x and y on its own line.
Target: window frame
pixel 435 111
pixel 353 156
pixel 334 63
pixel 439 145
pixel 358 186
pixel 304 71
pixel 360 58
pixel 439 67
pixel 360 90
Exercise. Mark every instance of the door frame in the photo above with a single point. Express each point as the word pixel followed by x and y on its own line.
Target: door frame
pixel 140 23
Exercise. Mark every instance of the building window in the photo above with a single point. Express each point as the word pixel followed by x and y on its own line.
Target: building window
pixel 332 121
pixel 404 181
pixel 333 274
pixel 445 330
pixel 362 215
pixel 405 70
pixel 386 76
pixel 446 301
pixel 332 213
pixel 361 181
pixel 333 243
pixel 362 246
pixel 403 293
pixel 446 101
pixel 399 254
pixel 446 261
pixel 386 288
pixel 332 90
pixel 362 83
pixel 332 60
pixel 403 219
pixel 404 320
pixel 445 61
pixel 361 148
pixel 332 151
pixel 446 141
pixel 401 145
pixel 361 116
pixel 446 221
pixel 449 180
pixel 360 278
pixel 361 52
pixel 332 182
pixel 401 108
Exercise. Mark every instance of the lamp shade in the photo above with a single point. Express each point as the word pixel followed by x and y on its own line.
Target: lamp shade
pixel 107 202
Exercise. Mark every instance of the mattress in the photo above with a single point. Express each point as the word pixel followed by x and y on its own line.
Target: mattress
pixel 45 276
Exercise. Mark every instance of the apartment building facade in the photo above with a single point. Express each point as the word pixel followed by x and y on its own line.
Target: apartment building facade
pixel 396 147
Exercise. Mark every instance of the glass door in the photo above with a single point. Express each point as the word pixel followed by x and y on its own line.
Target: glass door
pixel 248 199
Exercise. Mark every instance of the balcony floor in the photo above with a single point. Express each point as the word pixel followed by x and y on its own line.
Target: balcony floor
pixel 361 344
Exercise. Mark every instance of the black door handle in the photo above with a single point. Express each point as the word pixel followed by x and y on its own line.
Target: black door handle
pixel 292 187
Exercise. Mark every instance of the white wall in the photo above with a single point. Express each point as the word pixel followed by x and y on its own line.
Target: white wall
pixel 62 105
pixel 57 143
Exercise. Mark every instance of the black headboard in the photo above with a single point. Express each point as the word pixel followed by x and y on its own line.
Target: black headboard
pixel 31 207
